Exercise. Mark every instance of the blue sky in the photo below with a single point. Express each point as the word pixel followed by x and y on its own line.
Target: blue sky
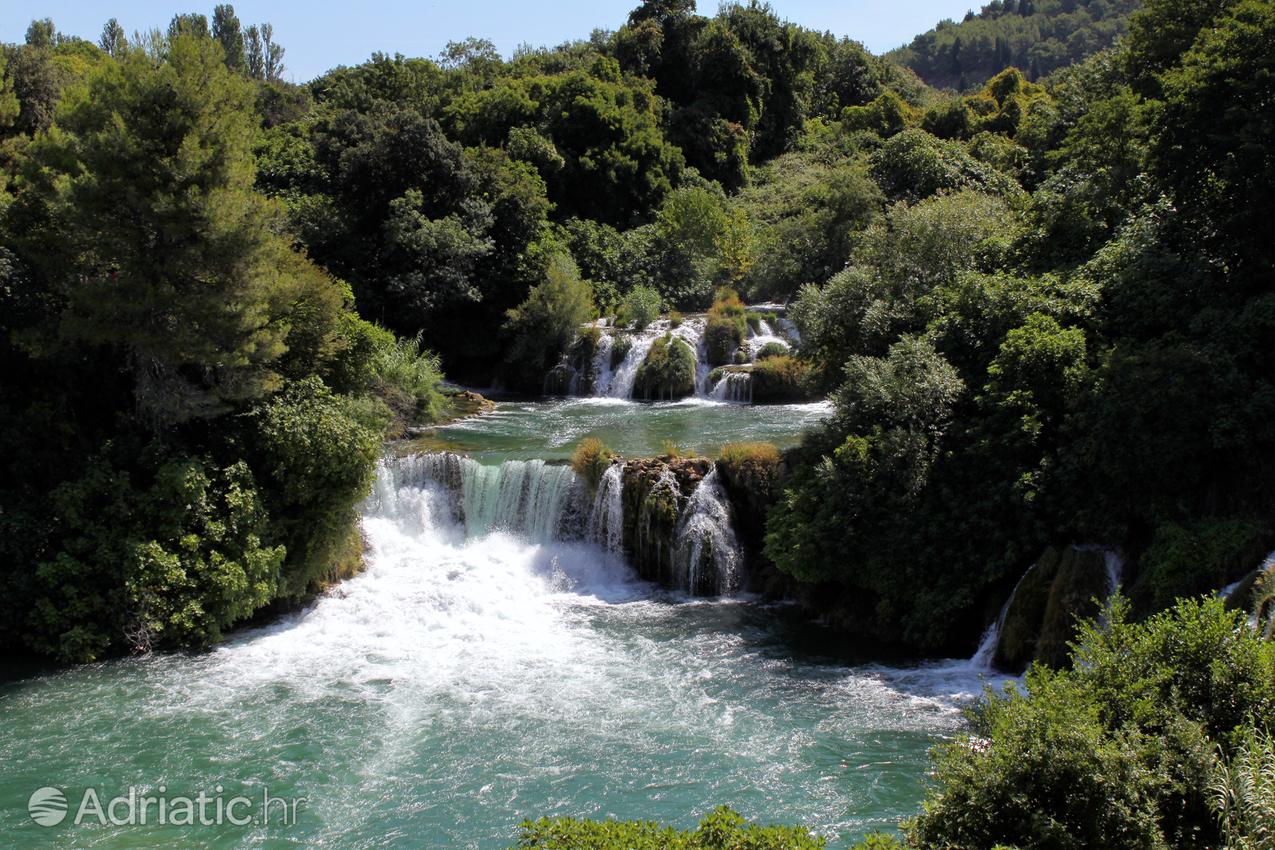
pixel 319 35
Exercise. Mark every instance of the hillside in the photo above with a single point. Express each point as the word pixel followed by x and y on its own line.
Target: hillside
pixel 1038 36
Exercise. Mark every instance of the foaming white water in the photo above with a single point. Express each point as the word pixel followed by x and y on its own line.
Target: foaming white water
pixel 618 383
pixel 734 386
pixel 606 520
pixel 706 536
pixel 985 655
pixel 460 685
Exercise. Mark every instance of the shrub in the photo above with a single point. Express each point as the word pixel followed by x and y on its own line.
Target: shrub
pixel 721 830
pixel 543 326
pixel 1242 793
pixel 726 328
pixel 675 319
pixel 1194 559
pixel 590 460
pixel 750 468
pixel 772 349
pixel 407 378
pixel 780 378
pixel 668 370
pixel 640 307
pixel 1116 752
pixel 314 455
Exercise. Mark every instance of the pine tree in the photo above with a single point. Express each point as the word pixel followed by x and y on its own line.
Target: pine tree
pixel 176 262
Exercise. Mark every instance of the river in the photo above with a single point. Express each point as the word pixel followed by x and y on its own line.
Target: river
pixel 470 679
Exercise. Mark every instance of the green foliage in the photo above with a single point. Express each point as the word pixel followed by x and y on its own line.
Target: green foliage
pixel 772 349
pixel 640 307
pixel 314 453
pixel 723 829
pixel 407 378
pixel 169 255
pixel 1184 561
pixel 166 561
pixel 667 372
pixel 780 377
pixel 726 327
pixel 1036 35
pixel 1242 793
pixel 915 165
pixel 591 459
pixel 542 327
pixel 1117 752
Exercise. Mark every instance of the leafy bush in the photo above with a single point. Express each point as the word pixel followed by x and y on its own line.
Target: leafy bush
pixel 772 349
pixel 164 563
pixel 407 378
pixel 314 454
pixel 668 372
pixel 543 326
pixel 1195 559
pixel 640 307
pixel 726 328
pixel 1116 752
pixel 1242 793
pixel 590 460
pixel 723 829
pixel 780 377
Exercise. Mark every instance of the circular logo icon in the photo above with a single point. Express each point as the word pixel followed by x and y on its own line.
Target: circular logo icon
pixel 47 806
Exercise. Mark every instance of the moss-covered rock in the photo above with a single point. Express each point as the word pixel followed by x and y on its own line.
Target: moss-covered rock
pixel 576 372
pixel 654 493
pixel 1060 588
pixel 781 378
pixel 667 372
pixel 1193 559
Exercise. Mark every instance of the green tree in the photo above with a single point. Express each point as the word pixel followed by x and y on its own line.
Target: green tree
pixel 177 263
pixel 113 40
pixel 544 325
pixel 229 34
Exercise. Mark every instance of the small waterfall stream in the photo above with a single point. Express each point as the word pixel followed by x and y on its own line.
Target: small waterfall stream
pixel 706 537
pixel 986 653
pixel 733 386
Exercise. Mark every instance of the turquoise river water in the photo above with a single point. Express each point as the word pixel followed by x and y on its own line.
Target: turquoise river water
pixel 462 684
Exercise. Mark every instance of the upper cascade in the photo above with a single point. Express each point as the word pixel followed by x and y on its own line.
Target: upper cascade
pixel 608 361
pixel 544 502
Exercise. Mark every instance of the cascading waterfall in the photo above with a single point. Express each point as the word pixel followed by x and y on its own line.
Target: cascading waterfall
pixel 618 382
pixel 986 652
pixel 526 497
pixel 734 386
pixel 706 537
pixel 606 519
pixel 547 502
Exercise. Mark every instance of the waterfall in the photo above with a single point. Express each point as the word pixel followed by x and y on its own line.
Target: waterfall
pixel 547 502
pixel 602 364
pixel 734 386
pixel 986 652
pixel 620 384
pixel 526 497
pixel 706 537
pixel 606 519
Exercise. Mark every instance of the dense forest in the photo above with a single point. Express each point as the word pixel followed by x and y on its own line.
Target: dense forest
pixel 1039 37
pixel 1041 305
